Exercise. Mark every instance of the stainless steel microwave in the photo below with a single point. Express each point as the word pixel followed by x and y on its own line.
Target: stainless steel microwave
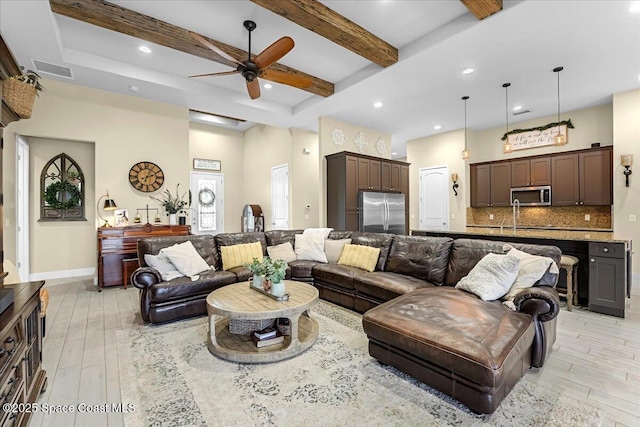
pixel 532 196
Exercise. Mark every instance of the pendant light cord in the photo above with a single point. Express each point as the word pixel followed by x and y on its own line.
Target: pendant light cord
pixel 557 71
pixel 465 122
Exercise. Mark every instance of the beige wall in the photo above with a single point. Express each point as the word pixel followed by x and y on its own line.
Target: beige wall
pixel 211 142
pixel 326 147
pixel 264 148
pixel 440 150
pixel 591 125
pixel 123 129
pixel 626 140
pixel 305 179
pixel 60 245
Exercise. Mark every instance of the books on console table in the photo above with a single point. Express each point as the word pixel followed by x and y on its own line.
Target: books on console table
pixel 275 339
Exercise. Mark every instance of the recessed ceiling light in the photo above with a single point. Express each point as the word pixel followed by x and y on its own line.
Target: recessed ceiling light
pixel 268 86
pixel 394 154
pixel 144 49
pixel 134 88
pixel 517 108
pixel 635 7
pixel 377 104
pixel 437 127
pixel 468 71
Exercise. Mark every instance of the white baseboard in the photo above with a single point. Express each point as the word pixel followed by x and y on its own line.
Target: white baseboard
pixel 63 274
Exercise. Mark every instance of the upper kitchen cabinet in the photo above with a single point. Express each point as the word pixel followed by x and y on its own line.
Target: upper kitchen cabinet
pixel 531 172
pixel 369 174
pixel 490 184
pixel 582 178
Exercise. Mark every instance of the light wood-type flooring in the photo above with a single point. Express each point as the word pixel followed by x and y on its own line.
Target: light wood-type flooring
pixel 596 358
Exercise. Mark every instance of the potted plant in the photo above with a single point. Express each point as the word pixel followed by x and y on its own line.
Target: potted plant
pixel 174 204
pixel 276 271
pixel 20 92
pixel 258 269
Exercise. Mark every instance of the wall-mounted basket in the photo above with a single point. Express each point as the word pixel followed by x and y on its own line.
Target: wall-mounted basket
pixel 20 96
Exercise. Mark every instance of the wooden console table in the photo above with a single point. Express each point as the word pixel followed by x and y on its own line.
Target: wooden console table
pixel 118 248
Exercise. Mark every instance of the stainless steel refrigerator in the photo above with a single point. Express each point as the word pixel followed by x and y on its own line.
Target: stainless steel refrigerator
pixel 382 212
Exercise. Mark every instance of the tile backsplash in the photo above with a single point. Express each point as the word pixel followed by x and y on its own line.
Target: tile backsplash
pixel 564 217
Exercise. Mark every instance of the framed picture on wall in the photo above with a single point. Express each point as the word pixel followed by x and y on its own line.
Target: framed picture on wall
pixel 121 217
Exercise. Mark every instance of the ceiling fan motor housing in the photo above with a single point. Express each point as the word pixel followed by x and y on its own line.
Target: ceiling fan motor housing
pixel 249 70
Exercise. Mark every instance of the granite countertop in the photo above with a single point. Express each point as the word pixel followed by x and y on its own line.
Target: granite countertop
pixel 588 236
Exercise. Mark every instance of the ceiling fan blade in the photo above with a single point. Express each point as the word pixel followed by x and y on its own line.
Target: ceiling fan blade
pixel 277 50
pixel 224 57
pixel 285 78
pixel 224 73
pixel 254 88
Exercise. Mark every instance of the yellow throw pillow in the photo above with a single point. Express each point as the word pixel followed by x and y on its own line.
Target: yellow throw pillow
pixel 364 257
pixel 239 255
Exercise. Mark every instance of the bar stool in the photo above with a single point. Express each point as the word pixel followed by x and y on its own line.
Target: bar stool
pixel 569 264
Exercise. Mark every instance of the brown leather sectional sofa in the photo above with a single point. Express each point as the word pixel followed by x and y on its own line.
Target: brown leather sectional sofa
pixel 416 320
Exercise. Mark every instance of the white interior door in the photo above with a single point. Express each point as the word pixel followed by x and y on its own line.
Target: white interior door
pixel 280 197
pixel 434 198
pixel 207 203
pixel 22 208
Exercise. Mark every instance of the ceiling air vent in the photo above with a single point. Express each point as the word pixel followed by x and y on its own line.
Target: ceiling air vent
pixel 53 69
pixel 517 113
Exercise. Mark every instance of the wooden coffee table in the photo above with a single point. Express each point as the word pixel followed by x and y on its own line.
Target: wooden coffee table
pixel 239 301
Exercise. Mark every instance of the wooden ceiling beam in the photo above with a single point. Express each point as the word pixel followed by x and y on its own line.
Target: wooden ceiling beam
pixel 483 8
pixel 116 18
pixel 314 16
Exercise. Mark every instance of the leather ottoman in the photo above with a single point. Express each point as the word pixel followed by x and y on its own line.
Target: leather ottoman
pixel 475 351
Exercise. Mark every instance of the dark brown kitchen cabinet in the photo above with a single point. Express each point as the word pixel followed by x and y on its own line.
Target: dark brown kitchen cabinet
pixel 350 173
pixel 596 180
pixel 369 174
pixel 501 184
pixel 531 172
pixel 607 278
pixel 582 178
pixel 480 178
pixel 490 184
pixel 391 177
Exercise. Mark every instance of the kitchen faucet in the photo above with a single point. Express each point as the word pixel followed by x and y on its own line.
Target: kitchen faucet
pixel 516 208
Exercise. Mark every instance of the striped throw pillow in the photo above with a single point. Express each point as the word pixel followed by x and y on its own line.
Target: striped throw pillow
pixel 360 256
pixel 239 255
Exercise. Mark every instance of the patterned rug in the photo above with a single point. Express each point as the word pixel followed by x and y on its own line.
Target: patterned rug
pixel 173 380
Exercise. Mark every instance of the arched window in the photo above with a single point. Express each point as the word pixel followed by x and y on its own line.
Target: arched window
pixel 62 190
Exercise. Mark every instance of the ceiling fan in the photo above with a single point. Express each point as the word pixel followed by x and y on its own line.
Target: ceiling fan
pixel 251 69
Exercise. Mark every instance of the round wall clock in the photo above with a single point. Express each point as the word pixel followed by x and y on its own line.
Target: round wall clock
pixel 146 176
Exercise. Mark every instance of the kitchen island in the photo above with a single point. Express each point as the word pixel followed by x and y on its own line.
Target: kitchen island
pixel 604 272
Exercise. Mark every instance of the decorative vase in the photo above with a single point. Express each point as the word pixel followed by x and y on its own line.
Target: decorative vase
pixel 172 219
pixel 277 289
pixel 257 281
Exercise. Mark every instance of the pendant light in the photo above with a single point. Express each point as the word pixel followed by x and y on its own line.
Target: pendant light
pixel 507 147
pixel 560 139
pixel 466 155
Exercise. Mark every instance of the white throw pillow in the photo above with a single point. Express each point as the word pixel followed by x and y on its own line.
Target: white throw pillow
pixel 532 268
pixel 492 276
pixel 333 249
pixel 324 232
pixel 185 258
pixel 310 248
pixel 282 251
pixel 163 265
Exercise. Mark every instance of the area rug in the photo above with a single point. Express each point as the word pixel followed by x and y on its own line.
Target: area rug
pixel 169 375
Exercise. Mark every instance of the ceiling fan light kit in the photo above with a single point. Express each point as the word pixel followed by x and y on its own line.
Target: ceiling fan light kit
pixel 255 67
